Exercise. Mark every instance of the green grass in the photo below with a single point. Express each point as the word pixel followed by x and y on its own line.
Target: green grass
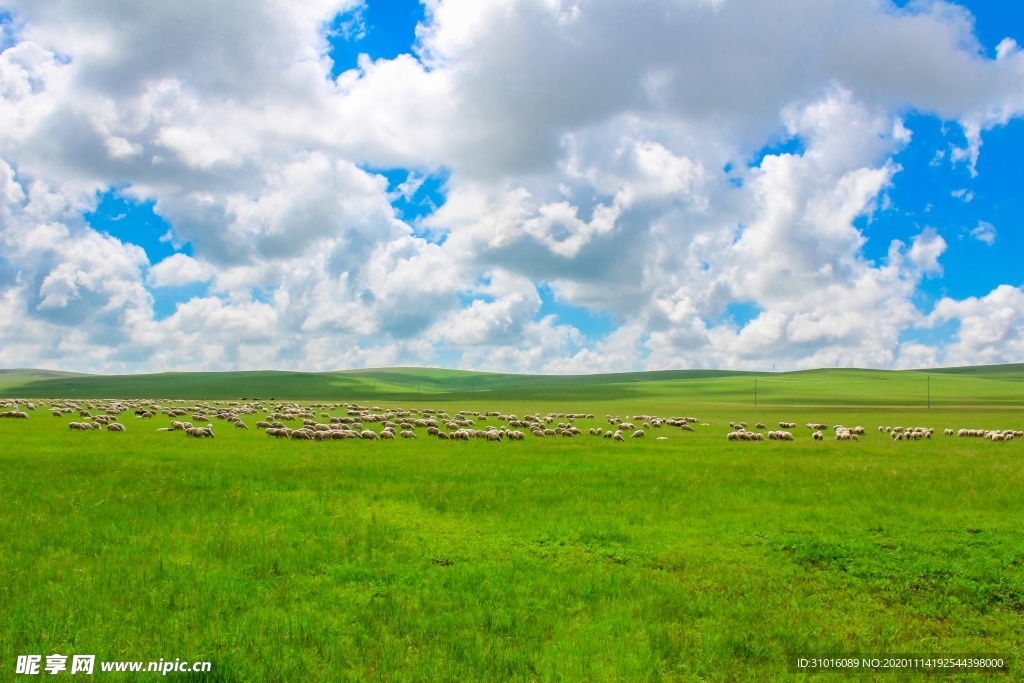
pixel 982 386
pixel 558 559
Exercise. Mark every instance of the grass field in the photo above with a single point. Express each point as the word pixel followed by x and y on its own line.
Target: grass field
pixel 576 559
pixel 1001 385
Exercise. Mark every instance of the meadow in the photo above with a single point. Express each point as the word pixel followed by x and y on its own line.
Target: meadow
pixel 583 559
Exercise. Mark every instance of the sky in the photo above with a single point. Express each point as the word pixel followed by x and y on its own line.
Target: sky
pixel 547 186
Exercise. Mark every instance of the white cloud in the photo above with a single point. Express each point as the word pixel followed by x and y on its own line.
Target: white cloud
pixel 984 232
pixel 177 270
pixel 926 250
pixel 991 328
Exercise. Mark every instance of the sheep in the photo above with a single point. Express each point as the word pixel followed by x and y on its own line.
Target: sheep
pixel 79 426
pixel 638 434
pixel 743 435
pixel 388 435
pixel 617 436
pixel 760 425
pixel 818 436
pixel 407 434
pixel 369 434
pixel 661 438
pixel 116 427
pixel 787 425
pixel 200 432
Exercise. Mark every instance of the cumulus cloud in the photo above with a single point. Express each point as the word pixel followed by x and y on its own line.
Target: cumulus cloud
pixel 177 270
pixel 616 154
pixel 926 250
pixel 984 232
pixel 991 327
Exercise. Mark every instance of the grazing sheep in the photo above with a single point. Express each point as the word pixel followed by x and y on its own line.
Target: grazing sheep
pixel 369 434
pixel 661 438
pixel 116 427
pixel 818 436
pixel 743 435
pixel 407 434
pixel 638 434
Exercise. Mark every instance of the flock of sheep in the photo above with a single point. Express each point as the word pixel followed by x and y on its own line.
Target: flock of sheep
pixel 318 423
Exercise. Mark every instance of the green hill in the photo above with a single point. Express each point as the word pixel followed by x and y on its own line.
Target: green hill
pixel 980 386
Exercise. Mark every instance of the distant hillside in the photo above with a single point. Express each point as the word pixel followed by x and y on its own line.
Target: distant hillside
pixel 21 376
pixel 1008 371
pixel 981 386
pixel 367 384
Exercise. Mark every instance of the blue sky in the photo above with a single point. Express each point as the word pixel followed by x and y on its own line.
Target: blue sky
pixel 525 186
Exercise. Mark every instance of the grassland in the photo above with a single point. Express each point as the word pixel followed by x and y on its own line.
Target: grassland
pixel 984 386
pixel 558 559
